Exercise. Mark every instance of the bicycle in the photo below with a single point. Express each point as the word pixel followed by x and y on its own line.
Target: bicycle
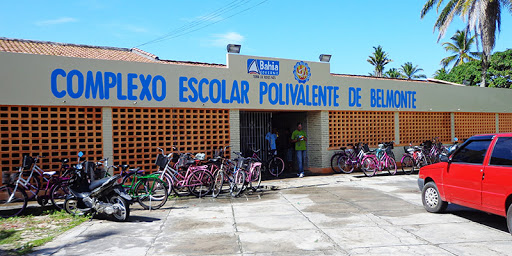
pixel 229 173
pixel 147 189
pixel 56 187
pixel 274 164
pixel 414 157
pixel 13 198
pixel 335 158
pixel 30 180
pixel 197 180
pixel 252 169
pixel 354 160
pixel 380 161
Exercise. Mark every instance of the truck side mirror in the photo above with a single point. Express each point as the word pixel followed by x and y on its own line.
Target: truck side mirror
pixel 444 158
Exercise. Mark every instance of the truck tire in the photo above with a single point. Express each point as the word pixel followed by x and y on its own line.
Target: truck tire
pixel 431 199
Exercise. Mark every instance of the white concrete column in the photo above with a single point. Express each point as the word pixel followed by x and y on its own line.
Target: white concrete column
pixel 234 130
pixel 497 123
pixel 108 144
pixel 397 128
pixel 319 156
pixel 452 124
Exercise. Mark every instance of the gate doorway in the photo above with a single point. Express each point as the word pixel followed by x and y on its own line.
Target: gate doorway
pixel 255 125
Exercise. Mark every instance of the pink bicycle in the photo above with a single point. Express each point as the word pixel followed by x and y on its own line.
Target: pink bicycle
pixel 187 177
pixel 380 161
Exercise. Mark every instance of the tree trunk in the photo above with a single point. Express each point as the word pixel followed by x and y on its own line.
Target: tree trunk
pixel 485 66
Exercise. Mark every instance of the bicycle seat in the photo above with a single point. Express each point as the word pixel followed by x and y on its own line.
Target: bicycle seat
pixel 256 151
pixel 124 166
pixel 136 170
pixel 343 148
pixel 49 173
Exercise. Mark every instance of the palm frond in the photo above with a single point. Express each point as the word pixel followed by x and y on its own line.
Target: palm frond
pixel 428 6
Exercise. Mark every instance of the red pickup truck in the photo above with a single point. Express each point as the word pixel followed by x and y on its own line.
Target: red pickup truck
pixel 477 175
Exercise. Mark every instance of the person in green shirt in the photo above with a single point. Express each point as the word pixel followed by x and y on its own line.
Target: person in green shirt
pixel 299 138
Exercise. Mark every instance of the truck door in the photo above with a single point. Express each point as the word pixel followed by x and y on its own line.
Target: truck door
pixel 463 177
pixel 497 175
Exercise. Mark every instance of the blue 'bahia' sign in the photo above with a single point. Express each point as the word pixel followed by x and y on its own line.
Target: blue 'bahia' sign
pixel 263 67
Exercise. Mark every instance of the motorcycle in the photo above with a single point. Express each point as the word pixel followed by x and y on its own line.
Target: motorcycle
pixel 103 196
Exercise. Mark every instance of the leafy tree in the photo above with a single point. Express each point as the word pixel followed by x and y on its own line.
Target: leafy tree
pixel 499 73
pixel 393 73
pixel 440 72
pixel 461 47
pixel 482 16
pixel 379 59
pixel 408 71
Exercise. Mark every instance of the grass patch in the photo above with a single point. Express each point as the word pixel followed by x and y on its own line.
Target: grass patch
pixel 19 235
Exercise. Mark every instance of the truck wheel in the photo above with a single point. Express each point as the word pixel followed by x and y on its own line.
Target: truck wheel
pixel 431 199
pixel 509 219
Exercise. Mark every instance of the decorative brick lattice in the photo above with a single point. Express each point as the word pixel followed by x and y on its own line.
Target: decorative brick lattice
pixel 469 124
pixel 137 132
pixel 505 122
pixel 350 127
pixel 416 127
pixel 53 132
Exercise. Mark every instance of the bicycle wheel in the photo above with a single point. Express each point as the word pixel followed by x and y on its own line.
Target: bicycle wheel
pixel 407 164
pixel 336 168
pixel 391 166
pixel 345 164
pixel 167 179
pixel 217 185
pixel 369 166
pixel 12 201
pixel 128 182
pixel 200 183
pixel 33 186
pixel 151 193
pixel 237 183
pixel 255 182
pixel 423 161
pixel 276 166
pixel 58 194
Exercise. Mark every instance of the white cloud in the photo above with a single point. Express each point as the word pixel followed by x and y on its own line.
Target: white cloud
pixel 227 38
pixel 56 21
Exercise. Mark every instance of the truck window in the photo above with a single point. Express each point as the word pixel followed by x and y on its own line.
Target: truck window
pixel 473 152
pixel 502 152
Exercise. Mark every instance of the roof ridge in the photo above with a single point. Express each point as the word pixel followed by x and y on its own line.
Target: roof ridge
pixel 66 44
pixel 144 53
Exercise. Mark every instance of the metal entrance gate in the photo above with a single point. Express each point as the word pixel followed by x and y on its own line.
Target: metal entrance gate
pixel 253 128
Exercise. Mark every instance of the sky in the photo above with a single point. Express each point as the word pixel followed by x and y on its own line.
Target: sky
pixel 199 31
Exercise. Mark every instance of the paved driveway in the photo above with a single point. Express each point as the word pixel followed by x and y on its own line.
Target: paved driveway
pixel 322 215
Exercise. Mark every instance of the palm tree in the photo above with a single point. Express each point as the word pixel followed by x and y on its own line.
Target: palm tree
pixel 440 72
pixel 482 16
pixel 379 59
pixel 460 46
pixel 408 71
pixel 393 73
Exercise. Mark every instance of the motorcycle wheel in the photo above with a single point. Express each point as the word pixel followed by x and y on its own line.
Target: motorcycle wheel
pixel 71 207
pixel 122 208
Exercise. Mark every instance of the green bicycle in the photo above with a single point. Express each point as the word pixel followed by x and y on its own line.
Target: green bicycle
pixel 149 190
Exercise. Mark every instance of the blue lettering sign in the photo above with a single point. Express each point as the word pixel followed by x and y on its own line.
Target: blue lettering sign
pixel 213 91
pixel 380 98
pixel 98 85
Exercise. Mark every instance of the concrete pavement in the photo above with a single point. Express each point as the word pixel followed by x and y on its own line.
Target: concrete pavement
pixel 319 215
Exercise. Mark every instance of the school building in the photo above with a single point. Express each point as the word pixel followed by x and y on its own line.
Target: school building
pixel 58 99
